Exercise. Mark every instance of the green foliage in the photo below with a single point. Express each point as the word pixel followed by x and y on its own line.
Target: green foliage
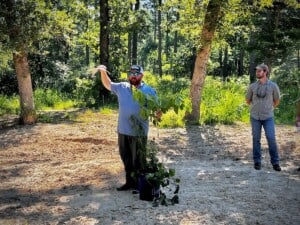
pixel 158 175
pixel 224 102
pixel 106 110
pixel 84 91
pixel 150 105
pixel 172 119
pixel 9 105
pixel 288 81
pixel 24 24
pixel 52 99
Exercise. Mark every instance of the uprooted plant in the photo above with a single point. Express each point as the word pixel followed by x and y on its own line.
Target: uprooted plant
pixel 157 183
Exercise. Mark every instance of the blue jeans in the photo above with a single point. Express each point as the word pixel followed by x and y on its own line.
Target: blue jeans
pixel 269 127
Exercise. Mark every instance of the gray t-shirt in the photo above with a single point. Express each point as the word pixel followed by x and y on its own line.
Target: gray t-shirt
pixel 128 107
pixel 262 97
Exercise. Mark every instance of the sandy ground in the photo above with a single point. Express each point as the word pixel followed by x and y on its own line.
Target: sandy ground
pixel 67 173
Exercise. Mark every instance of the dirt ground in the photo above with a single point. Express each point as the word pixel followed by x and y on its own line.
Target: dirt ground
pixel 66 172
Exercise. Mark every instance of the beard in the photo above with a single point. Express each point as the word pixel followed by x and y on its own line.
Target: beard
pixel 259 76
pixel 135 81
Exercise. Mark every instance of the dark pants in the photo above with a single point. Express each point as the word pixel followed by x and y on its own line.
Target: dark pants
pixel 132 150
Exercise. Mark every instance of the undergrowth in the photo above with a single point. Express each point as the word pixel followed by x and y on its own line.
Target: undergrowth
pixel 221 102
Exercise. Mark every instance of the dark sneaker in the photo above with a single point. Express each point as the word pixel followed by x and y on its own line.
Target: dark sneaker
pixel 276 167
pixel 257 166
pixel 135 192
pixel 125 187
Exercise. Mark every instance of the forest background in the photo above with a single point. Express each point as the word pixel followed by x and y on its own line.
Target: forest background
pixel 47 48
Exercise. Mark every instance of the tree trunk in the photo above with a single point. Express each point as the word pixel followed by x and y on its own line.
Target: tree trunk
pixel 155 25
pixel 28 113
pixel 176 34
pixel 159 58
pixel 252 76
pixel 210 23
pixel 87 48
pixel 167 38
pixel 104 33
pixel 135 36
pixel 225 64
pixel 20 58
pixel 129 46
pixel 220 72
pixel 240 63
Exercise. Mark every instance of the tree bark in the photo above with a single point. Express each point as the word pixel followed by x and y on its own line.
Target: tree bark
pixel 176 35
pixel 252 65
pixel 129 46
pixel 104 32
pixel 225 64
pixel 20 58
pixel 87 48
pixel 240 63
pixel 159 58
pixel 212 17
pixel 28 113
pixel 135 36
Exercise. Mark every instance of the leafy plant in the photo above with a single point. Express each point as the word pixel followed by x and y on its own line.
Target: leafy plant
pixel 150 105
pixel 158 175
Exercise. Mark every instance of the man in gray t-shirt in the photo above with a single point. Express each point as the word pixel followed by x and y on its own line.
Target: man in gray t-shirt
pixel 132 128
pixel 263 96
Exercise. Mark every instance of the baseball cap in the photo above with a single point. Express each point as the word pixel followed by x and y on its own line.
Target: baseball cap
pixel 136 69
pixel 263 67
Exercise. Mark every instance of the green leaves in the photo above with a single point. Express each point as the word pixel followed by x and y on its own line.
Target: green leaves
pixel 150 105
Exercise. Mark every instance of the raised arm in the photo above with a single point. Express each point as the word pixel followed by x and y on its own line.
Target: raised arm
pixel 104 77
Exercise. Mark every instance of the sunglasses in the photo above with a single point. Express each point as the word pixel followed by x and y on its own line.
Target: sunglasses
pixel 133 73
pixel 261 91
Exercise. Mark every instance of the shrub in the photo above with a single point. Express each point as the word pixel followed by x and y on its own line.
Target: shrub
pixel 52 99
pixel 223 102
pixel 9 105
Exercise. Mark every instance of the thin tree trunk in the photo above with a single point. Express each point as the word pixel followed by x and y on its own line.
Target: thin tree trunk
pixel 135 37
pixel 298 57
pixel 87 48
pixel 28 113
pixel 225 64
pixel 210 23
pixel 129 46
pixel 155 25
pixel 159 58
pixel 176 34
pixel 240 63
pixel 104 33
pixel 221 62
pixel 167 38
pixel 252 66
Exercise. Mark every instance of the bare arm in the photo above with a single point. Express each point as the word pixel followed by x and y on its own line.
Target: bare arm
pixel 248 101
pixel 104 77
pixel 276 103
